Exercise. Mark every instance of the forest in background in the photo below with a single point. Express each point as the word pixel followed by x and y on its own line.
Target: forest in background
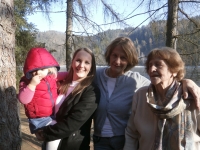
pixel 156 34
pixel 145 39
pixel 18 36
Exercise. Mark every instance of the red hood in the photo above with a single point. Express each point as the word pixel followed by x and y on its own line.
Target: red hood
pixel 38 58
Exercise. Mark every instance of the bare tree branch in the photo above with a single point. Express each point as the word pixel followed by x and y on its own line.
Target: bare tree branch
pixel 189 2
pixel 51 11
pixel 180 35
pixel 189 41
pixel 147 18
pixel 83 26
pixel 186 15
pixel 94 24
pixel 82 8
pixel 108 11
pixel 133 17
pixel 135 9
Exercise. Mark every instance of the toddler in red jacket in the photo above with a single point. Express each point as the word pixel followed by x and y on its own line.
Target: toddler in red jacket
pixel 38 88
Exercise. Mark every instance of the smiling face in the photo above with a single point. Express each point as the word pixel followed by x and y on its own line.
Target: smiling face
pixel 81 65
pixel 118 61
pixel 159 73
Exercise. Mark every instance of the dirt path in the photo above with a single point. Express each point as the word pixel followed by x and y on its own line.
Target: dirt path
pixel 29 141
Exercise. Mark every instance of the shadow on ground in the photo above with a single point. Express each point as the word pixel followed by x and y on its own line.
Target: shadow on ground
pixel 31 139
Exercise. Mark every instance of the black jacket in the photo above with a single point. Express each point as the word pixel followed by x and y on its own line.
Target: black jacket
pixel 74 120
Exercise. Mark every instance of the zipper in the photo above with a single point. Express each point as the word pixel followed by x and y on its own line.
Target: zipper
pixel 50 93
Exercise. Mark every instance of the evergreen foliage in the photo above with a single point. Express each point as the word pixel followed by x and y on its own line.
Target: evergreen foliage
pixel 25 34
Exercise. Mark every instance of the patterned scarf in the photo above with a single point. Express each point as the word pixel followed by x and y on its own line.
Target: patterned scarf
pixel 174 120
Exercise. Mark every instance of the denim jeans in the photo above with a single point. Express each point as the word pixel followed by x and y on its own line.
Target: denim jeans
pixel 36 123
pixel 109 143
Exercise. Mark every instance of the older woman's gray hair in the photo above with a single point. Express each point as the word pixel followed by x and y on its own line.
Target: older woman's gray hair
pixel 171 58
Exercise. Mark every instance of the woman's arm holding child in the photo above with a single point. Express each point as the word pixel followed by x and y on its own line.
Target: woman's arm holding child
pixel 61 76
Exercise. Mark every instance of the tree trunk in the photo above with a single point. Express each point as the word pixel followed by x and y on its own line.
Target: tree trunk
pixel 172 22
pixel 10 138
pixel 69 27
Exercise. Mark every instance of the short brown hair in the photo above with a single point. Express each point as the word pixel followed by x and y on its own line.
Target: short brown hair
pixel 83 83
pixel 172 59
pixel 129 49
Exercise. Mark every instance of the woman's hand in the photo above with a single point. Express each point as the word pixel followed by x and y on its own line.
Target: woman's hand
pixel 39 135
pixel 189 85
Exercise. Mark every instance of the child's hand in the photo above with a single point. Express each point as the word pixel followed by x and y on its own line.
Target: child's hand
pixel 34 82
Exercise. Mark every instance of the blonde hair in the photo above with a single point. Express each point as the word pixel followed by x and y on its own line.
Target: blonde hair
pixel 53 71
pixel 128 47
pixel 83 83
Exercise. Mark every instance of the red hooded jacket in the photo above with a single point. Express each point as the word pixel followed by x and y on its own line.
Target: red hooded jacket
pixel 42 104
